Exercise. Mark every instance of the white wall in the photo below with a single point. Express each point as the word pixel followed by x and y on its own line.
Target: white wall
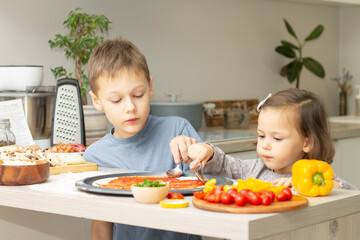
pixel 350 48
pixel 204 49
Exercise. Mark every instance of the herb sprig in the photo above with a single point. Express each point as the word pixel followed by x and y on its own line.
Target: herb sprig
pixel 149 183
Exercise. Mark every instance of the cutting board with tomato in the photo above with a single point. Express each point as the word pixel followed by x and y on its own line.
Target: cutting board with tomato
pixel 296 202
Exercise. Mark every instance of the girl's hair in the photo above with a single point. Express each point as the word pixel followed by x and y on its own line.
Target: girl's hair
pixel 311 120
pixel 112 56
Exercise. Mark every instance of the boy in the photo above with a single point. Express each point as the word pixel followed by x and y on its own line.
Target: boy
pixel 121 86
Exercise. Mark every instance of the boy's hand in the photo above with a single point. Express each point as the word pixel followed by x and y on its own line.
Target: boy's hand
pixel 179 147
pixel 282 181
pixel 200 153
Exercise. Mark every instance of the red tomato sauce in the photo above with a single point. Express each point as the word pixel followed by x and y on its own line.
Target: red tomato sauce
pixel 174 183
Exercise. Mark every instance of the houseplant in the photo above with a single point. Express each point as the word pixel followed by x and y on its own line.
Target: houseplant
pixel 293 69
pixel 78 43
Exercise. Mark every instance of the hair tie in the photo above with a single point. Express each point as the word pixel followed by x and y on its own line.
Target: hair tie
pixel 262 102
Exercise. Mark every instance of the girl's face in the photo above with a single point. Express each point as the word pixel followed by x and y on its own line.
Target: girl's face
pixel 125 100
pixel 279 143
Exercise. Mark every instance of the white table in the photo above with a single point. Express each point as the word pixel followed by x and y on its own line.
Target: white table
pixel 337 214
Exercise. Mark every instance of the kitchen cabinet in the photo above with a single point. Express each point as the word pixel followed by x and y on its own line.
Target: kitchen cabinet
pixel 347 159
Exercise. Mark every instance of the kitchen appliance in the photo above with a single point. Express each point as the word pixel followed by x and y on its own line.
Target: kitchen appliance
pixel 192 111
pixel 18 77
pixel 68 117
pixel 38 107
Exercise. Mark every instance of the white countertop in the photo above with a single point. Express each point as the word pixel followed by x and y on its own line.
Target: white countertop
pixel 60 196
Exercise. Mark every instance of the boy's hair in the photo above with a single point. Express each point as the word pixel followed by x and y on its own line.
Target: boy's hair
pixel 112 56
pixel 311 118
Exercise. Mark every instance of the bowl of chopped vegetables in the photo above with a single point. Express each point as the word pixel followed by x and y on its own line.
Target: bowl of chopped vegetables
pixel 150 191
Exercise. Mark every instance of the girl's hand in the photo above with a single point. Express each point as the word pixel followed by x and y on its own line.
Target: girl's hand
pixel 200 153
pixel 282 181
pixel 179 147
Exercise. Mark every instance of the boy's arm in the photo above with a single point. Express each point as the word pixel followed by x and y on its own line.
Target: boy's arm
pixel 179 147
pixel 101 230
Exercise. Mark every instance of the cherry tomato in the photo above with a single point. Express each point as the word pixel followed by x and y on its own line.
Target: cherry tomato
pixel 270 194
pixel 218 189
pixel 284 195
pixel 226 198
pixel 199 195
pixel 288 192
pixel 240 199
pixel 174 195
pixel 265 200
pixel 207 194
pixel 244 191
pixel 253 198
pixel 232 192
pixel 218 197
pixel 211 198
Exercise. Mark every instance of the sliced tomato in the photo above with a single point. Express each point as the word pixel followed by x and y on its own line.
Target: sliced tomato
pixel 199 195
pixel 174 195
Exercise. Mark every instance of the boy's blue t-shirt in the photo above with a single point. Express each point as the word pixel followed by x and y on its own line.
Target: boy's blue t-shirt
pixel 147 151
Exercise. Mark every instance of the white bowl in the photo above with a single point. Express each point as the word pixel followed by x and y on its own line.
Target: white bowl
pixel 149 194
pixel 18 77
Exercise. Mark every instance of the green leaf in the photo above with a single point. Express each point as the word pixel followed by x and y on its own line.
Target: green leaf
pixel 314 66
pixel 293 70
pixel 289 44
pixel 286 51
pixel 290 29
pixel 315 33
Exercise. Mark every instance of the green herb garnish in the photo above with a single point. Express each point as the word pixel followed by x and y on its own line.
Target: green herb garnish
pixel 149 183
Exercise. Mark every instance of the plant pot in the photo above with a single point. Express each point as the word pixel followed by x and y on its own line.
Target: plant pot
pixel 96 124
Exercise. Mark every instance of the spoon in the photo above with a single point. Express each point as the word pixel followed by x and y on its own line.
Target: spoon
pixel 175 172
pixel 198 173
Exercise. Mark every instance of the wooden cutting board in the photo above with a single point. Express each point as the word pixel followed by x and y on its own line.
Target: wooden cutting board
pixel 296 202
pixel 85 167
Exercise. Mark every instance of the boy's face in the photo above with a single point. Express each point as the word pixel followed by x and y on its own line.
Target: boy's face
pixel 279 143
pixel 125 100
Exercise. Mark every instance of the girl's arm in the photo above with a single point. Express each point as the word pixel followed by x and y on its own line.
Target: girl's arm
pixel 216 162
pixel 339 183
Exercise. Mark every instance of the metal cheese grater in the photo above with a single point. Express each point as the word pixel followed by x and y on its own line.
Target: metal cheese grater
pixel 68 115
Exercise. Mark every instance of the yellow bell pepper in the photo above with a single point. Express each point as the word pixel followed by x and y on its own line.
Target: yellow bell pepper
pixel 312 177
pixel 276 189
pixel 209 185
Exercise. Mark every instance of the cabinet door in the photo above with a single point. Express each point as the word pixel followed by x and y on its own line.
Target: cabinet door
pixel 347 160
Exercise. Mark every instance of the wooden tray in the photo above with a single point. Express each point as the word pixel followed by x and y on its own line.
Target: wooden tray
pixel 85 167
pixel 296 202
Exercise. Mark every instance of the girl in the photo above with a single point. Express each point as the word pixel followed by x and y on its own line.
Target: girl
pixel 292 125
